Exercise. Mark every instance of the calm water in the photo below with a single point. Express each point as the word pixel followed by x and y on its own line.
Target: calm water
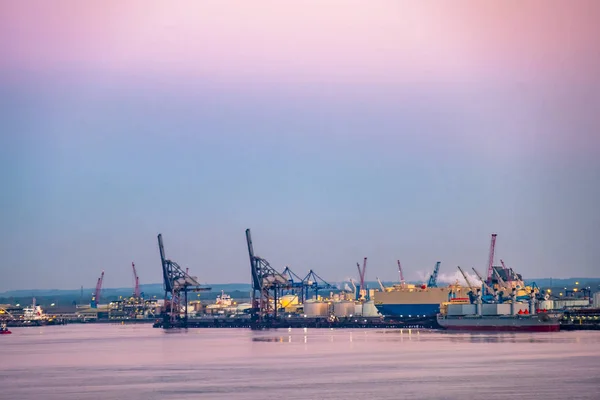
pixel 138 362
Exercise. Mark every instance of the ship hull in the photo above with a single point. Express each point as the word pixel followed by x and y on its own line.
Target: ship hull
pixel 413 302
pixel 532 323
pixel 408 310
pixel 495 328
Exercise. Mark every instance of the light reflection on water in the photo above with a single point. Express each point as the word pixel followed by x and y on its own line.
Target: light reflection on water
pixel 138 362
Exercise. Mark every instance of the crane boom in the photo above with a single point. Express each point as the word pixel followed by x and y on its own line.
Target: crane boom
pixel 99 286
pixel 361 273
pixel 96 295
pixel 501 281
pixel 508 272
pixel 380 284
pixel 466 278
pixel 136 279
pixel 400 272
pixel 491 258
pixel 433 278
pixel 487 287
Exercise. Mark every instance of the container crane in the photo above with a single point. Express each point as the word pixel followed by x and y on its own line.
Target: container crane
pixel 176 285
pixel 136 279
pixel 432 282
pixel 96 295
pixel 296 285
pixel 316 283
pixel 266 284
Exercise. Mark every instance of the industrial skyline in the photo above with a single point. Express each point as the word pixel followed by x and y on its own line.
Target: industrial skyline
pixel 408 130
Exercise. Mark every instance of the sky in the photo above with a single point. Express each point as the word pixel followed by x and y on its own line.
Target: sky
pixel 334 130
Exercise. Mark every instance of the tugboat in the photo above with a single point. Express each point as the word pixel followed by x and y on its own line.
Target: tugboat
pixel 4 330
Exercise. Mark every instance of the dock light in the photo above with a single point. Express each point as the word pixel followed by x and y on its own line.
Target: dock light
pixel 52 305
pixel 560 294
pixel 574 289
pixel 577 283
pixel 549 291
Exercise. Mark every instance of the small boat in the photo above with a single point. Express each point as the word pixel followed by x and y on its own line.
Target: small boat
pixel 4 330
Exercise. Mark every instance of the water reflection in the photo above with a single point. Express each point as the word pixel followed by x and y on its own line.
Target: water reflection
pixel 412 335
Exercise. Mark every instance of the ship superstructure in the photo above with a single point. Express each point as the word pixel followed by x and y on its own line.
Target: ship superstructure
pixel 408 301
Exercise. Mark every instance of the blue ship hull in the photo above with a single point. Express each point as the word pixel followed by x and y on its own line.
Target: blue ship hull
pixel 408 310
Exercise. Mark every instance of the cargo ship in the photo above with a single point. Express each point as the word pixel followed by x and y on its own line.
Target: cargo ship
pixel 499 317
pixel 415 300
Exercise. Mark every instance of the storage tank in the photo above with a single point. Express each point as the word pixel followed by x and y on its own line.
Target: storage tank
pixel 369 309
pixel 288 300
pixel 358 309
pixel 343 308
pixel 316 309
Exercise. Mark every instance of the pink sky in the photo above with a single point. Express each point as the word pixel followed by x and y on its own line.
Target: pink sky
pixel 527 59
pixel 333 41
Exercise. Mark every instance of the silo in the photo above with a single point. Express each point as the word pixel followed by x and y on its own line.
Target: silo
pixel 358 309
pixel 288 300
pixel 343 308
pixel 316 309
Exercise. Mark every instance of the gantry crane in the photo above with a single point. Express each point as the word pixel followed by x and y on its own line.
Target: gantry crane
pixel 432 282
pixel 177 284
pixel 312 281
pixel 296 286
pixel 266 285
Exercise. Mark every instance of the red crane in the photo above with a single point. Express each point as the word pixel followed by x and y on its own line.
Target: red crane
pixel 491 260
pixel 401 274
pixel 136 279
pixel 96 296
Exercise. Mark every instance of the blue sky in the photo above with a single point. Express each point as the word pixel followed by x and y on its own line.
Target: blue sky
pixel 324 169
